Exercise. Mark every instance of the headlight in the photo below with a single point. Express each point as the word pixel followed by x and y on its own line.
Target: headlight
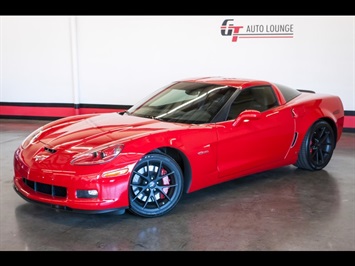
pixel 99 155
pixel 31 138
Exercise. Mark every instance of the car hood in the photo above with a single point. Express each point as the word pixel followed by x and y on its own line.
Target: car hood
pixel 97 130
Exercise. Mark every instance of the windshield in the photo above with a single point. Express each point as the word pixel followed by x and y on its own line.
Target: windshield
pixel 185 102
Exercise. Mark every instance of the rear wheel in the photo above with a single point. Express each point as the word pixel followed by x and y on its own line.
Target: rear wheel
pixel 317 147
pixel 156 186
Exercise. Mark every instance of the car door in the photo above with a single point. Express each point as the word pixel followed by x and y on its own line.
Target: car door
pixel 257 139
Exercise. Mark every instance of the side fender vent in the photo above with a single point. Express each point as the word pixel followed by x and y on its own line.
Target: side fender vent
pixel 294 139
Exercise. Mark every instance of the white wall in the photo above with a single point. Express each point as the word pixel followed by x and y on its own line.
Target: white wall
pixel 120 59
pixel 35 59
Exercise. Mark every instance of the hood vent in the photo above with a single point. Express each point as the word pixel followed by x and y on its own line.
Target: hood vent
pixel 49 150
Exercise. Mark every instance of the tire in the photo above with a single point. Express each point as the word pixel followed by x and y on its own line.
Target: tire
pixel 317 147
pixel 156 186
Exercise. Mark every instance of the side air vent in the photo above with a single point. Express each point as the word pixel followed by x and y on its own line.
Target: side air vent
pixel 49 150
pixel 294 139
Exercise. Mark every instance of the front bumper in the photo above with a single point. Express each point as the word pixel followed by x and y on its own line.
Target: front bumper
pixel 61 189
pixel 66 208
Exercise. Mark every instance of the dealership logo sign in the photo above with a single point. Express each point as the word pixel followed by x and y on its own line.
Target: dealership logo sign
pixel 256 31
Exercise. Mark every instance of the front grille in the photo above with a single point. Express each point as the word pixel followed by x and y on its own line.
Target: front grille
pixel 55 191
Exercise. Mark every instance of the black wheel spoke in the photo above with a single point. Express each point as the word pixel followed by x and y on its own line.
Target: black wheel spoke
pixel 140 192
pixel 162 191
pixel 321 156
pixel 148 177
pixel 155 200
pixel 151 198
pixel 323 137
pixel 159 170
pixel 141 175
pixel 321 145
pixel 165 175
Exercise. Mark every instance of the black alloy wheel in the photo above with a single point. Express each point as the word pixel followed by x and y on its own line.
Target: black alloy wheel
pixel 156 186
pixel 317 147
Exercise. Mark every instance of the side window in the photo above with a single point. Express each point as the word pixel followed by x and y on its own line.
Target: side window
pixel 255 98
pixel 241 103
pixel 264 98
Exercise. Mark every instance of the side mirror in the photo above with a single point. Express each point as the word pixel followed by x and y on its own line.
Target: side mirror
pixel 246 116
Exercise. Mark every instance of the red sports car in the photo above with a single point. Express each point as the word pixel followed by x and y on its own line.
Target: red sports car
pixel 189 135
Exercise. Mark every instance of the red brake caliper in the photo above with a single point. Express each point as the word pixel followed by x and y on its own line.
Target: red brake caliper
pixel 166 181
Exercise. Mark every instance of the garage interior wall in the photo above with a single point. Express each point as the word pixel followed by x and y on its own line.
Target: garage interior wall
pixel 54 66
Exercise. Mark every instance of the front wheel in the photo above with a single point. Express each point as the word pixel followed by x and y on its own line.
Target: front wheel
pixel 317 147
pixel 156 186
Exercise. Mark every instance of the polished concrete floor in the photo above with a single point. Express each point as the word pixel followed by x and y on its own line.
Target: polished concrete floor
pixel 280 210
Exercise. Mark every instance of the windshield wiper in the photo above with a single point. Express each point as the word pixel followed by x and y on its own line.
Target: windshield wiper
pixel 124 112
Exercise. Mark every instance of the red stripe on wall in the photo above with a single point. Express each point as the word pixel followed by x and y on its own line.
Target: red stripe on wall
pixel 50 111
pixel 86 110
pixel 37 111
pixel 349 121
pixel 40 111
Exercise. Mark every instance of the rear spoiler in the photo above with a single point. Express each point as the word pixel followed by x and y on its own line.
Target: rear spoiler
pixel 308 91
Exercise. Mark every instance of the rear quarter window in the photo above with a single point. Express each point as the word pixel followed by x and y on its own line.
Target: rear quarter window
pixel 287 92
